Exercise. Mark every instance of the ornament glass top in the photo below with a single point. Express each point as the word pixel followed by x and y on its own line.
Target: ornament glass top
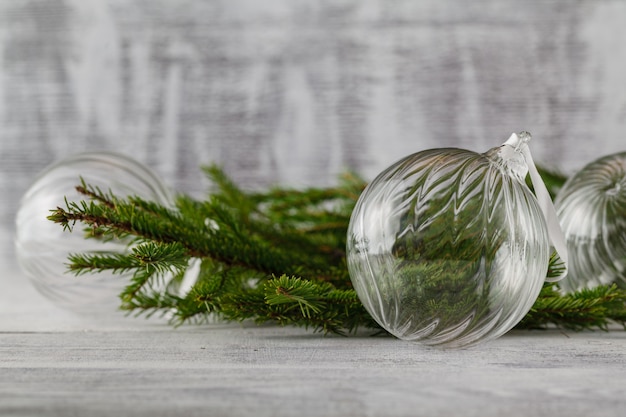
pixel 42 247
pixel 592 210
pixel 450 247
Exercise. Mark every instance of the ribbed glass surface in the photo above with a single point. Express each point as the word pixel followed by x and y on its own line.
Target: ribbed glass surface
pixel 42 247
pixel 591 208
pixel 448 246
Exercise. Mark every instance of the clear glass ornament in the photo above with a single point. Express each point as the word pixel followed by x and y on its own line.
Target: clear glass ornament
pixel 448 246
pixel 42 247
pixel 591 208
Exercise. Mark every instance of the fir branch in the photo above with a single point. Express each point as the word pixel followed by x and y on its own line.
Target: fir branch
pixel 96 194
pixel 96 262
pixel 150 302
pixel 160 258
pixel 584 309
pixel 556 266
pixel 310 304
pixel 277 256
pixel 294 292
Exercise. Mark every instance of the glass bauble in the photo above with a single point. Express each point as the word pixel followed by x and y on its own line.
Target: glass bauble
pixel 591 208
pixel 42 247
pixel 448 246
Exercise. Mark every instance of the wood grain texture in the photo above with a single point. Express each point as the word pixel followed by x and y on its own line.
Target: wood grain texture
pixel 297 92
pixel 54 363
pixel 235 371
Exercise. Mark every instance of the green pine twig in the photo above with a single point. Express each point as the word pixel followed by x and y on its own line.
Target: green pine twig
pixel 585 309
pixel 277 257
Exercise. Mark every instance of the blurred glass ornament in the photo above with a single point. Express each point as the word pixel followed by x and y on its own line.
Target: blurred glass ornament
pixel 450 247
pixel 42 247
pixel 591 208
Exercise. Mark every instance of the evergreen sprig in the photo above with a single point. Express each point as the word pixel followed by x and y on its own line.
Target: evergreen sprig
pixel 275 256
pixel 588 308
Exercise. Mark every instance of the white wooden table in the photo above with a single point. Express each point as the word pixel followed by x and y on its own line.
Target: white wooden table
pixel 55 364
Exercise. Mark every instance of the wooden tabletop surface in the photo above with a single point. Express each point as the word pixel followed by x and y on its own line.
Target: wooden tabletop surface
pixel 54 363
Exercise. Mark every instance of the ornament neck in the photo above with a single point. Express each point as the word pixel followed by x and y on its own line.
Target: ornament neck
pixel 510 156
pixel 517 141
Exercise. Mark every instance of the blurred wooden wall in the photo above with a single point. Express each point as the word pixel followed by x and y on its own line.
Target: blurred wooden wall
pixel 296 92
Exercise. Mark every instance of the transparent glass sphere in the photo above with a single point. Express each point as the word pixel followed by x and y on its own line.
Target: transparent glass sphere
pixel 449 247
pixel 42 247
pixel 591 208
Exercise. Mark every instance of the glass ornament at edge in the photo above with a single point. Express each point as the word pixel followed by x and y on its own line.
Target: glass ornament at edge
pixel 42 247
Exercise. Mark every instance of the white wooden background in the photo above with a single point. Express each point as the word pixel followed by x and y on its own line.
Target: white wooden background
pixel 295 92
